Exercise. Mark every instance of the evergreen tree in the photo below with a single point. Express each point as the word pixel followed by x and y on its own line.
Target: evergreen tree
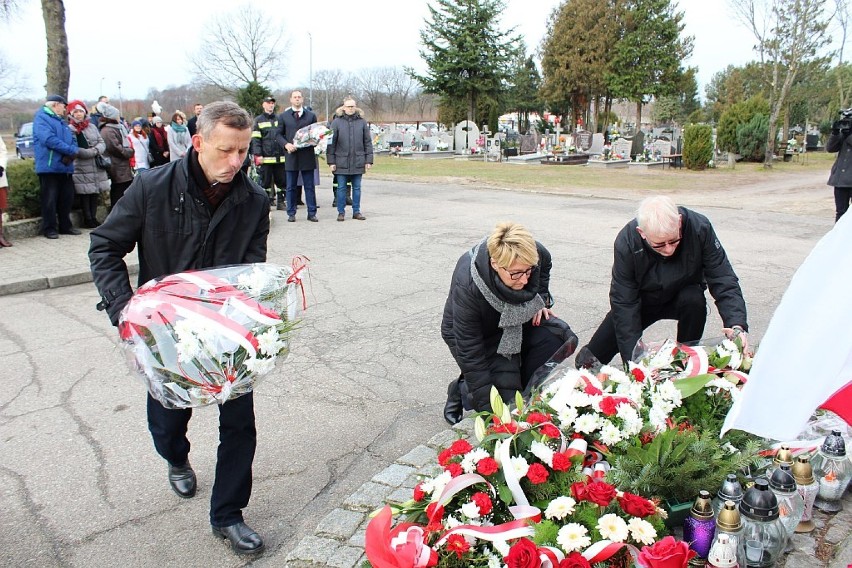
pixel 251 97
pixel 647 58
pixel 523 93
pixel 468 57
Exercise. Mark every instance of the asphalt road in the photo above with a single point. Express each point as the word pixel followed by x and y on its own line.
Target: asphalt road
pixel 81 483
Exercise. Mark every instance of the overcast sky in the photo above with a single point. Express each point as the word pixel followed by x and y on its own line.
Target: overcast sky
pixel 117 41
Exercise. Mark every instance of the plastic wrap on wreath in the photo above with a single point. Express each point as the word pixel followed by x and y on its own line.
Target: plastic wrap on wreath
pixel 311 135
pixel 203 337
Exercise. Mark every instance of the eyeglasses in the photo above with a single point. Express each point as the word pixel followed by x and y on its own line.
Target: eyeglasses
pixel 517 275
pixel 660 246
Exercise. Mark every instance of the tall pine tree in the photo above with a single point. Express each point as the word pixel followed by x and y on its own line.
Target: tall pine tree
pixel 523 93
pixel 468 57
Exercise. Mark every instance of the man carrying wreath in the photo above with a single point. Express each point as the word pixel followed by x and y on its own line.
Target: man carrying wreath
pixel 198 212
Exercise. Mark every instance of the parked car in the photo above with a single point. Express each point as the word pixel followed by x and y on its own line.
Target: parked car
pixel 24 141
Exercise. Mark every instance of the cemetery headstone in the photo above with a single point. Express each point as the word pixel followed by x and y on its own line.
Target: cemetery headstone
pixel 597 144
pixel 465 134
pixel 638 144
pixel 582 140
pixel 622 146
pixel 662 147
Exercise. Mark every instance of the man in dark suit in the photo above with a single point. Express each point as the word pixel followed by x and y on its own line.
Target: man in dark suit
pixel 298 159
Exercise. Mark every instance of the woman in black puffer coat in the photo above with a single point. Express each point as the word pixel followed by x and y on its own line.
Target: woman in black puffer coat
pixel 497 320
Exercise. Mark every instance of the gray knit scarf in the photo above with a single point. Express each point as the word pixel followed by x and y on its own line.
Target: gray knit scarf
pixel 512 316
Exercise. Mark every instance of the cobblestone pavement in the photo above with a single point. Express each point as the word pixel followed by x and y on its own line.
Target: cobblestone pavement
pixel 362 392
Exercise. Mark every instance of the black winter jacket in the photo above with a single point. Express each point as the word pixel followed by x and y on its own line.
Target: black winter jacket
pixel 265 139
pixel 351 146
pixel 470 326
pixel 165 213
pixel 641 276
pixel 303 158
pixel 841 171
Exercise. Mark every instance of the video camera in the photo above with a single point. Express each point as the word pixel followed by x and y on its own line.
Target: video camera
pixel 844 125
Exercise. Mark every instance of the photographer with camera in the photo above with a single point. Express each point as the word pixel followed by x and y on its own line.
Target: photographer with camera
pixel 841 171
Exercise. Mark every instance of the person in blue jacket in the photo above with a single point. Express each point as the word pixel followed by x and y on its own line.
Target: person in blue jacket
pixel 55 150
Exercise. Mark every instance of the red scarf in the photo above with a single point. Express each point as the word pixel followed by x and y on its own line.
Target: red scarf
pixel 79 126
pixel 160 134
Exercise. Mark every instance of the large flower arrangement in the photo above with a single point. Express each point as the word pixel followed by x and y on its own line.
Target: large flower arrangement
pixel 315 134
pixel 207 336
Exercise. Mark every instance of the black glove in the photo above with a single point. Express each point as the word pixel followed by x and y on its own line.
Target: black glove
pixel 67 160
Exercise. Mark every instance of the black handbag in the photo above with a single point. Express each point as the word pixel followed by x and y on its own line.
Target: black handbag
pixel 103 162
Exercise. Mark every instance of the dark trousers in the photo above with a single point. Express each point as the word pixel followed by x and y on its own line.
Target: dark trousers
pixel 89 207
pixel 116 191
pixel 237 442
pixel 310 192
pixel 689 308
pixel 273 174
pixel 57 195
pixel 842 196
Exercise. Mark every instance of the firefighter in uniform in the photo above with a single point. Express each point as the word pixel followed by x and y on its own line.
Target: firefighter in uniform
pixel 268 152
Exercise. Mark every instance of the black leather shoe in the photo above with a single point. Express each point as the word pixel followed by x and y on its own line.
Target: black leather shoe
pixel 51 235
pixel 71 231
pixel 243 538
pixel 182 480
pixel 291 219
pixel 281 206
pixel 453 408
pixel 313 219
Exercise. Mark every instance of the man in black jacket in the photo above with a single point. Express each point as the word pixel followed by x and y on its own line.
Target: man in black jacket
pixel 841 171
pixel 198 212
pixel 302 160
pixel 497 319
pixel 664 259
pixel 268 152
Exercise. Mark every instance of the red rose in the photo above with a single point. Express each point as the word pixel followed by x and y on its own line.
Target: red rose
pixel 523 554
pixel 457 543
pixel 550 431
pixel 636 505
pixel 600 493
pixel 561 462
pixel 419 494
pixel 460 447
pixel 483 501
pixel 445 457
pixel 538 418
pixel 487 466
pixel 455 469
pixel 575 560
pixel 637 374
pixel 578 490
pixel 537 474
pixel 666 553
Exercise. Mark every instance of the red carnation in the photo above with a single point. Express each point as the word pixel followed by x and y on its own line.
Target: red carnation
pixel 561 462
pixel 504 427
pixel 444 457
pixel 574 560
pixel 592 390
pixel 637 374
pixel 636 505
pixel 523 554
pixel 487 466
pixel 600 493
pixel 537 474
pixel 419 494
pixel 460 447
pixel 457 543
pixel 434 512
pixel 538 418
pixel 609 404
pixel 455 469
pixel 483 501
pixel 550 431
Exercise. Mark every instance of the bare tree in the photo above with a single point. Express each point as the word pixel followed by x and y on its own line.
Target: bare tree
pixel 58 68
pixel 330 86
pixel 790 34
pixel 400 88
pixel 12 83
pixel 371 84
pixel 241 47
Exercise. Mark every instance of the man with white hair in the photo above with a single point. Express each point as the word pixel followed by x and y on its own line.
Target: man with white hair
pixel 664 260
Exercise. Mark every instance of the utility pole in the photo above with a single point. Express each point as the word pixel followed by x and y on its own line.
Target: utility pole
pixel 310 70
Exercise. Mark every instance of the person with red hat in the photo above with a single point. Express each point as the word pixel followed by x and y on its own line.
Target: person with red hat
pixel 89 178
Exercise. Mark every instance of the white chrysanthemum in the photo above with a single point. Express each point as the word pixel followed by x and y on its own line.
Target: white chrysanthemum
pixel 567 417
pixel 470 510
pixel 669 391
pixel 184 330
pixel 729 346
pixel 259 366
pixel 268 342
pixel 642 531
pixel 615 375
pixel 613 527
pixel 188 349
pixel 586 424
pixel 595 401
pixel 542 452
pixel 657 418
pixel 435 486
pixel 451 522
pixel 573 536
pixel 626 412
pixel 632 427
pixel 519 465
pixel 502 547
pixel 254 282
pixel 610 434
pixel 471 458
pixel 560 508
pixel 578 399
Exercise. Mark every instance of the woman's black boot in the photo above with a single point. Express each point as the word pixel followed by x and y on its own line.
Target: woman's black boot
pixel 453 408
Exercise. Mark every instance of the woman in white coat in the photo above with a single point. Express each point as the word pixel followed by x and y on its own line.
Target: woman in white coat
pixel 179 138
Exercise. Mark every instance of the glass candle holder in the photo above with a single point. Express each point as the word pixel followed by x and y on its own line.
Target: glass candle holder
pixel 808 488
pixel 764 537
pixel 833 471
pixel 700 526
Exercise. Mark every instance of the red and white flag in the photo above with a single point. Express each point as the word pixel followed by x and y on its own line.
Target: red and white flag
pixel 805 358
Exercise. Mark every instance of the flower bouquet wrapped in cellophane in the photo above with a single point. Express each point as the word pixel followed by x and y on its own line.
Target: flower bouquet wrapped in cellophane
pixel 207 336
pixel 311 135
